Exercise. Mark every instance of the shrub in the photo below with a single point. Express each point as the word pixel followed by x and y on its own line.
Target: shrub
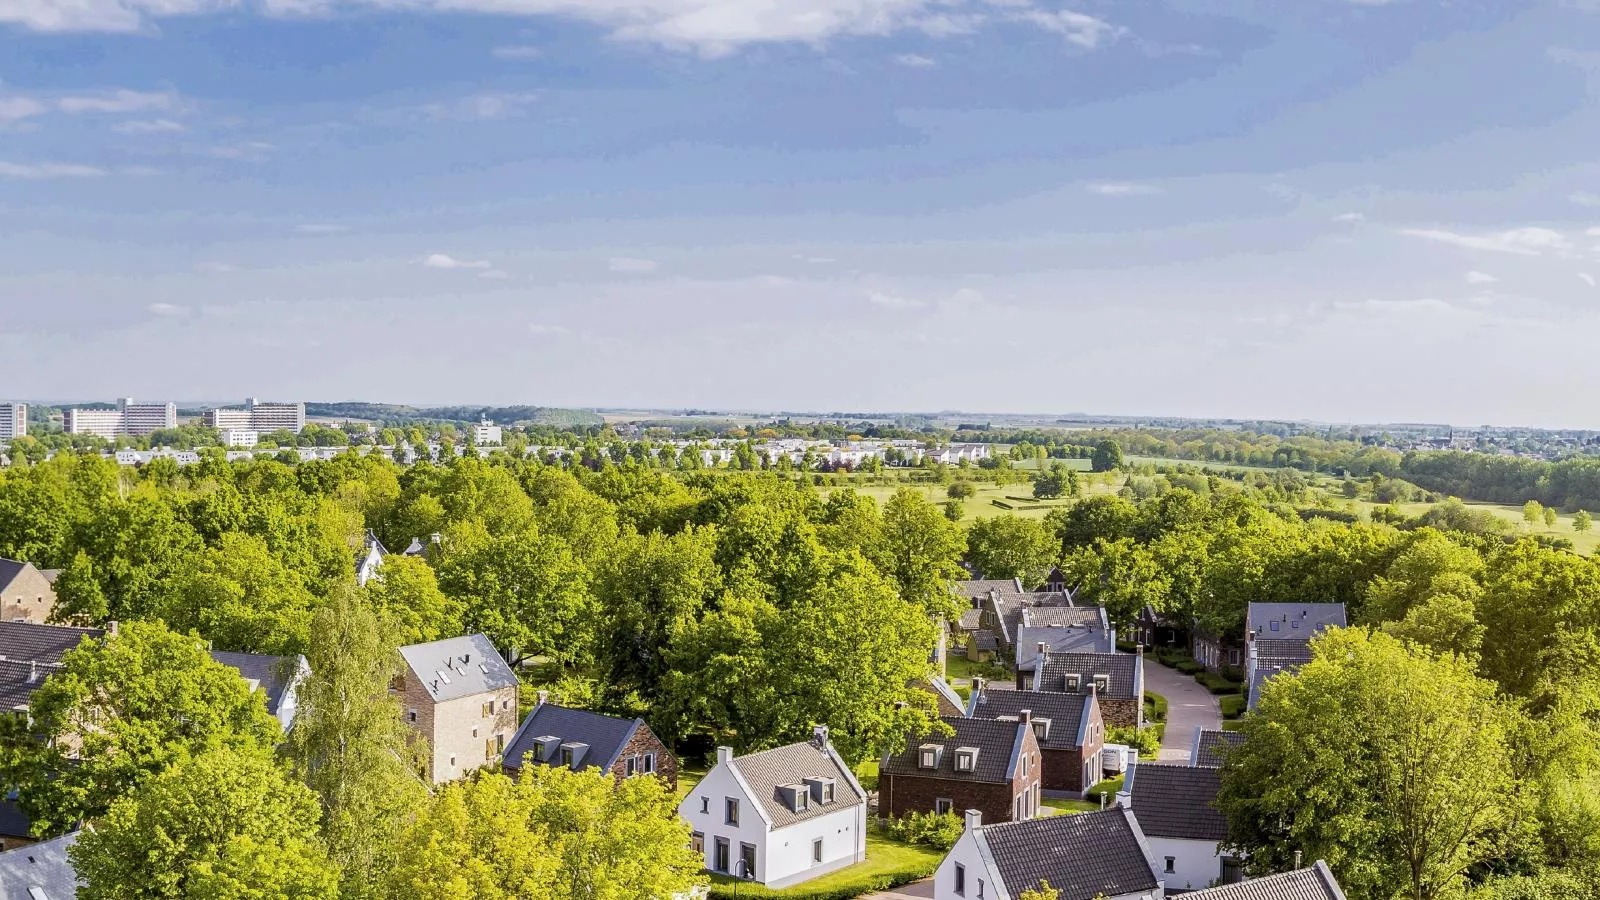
pixel 1217 683
pixel 1106 791
pixel 1190 667
pixel 937 830
pixel 1155 707
pixel 1232 705
pixel 1145 740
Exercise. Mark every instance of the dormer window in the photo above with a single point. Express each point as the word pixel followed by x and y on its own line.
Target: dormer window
pixel 966 759
pixel 1041 729
pixel 1101 682
pixel 827 791
pixel 566 756
pixel 1273 624
pixel 928 756
pixel 1072 682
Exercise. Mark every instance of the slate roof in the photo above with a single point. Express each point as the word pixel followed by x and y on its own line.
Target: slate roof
pixel 18 681
pixel 1281 652
pixel 1064 616
pixel 971 620
pixel 39 871
pixel 1065 711
pixel 9 570
pixel 1293 618
pixel 979 588
pixel 984 639
pixel 13 821
pixel 458 667
pixel 1122 669
pixel 1081 855
pixel 604 735
pixel 273 673
pixel 765 771
pixel 945 694
pixel 998 744
pixel 1315 883
pixel 40 643
pixel 1177 801
pixel 1208 747
pixel 1059 640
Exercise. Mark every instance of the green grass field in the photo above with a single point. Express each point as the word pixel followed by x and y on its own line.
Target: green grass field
pixel 884 858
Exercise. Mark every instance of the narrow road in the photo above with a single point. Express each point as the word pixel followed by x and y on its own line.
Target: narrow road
pixel 1189 707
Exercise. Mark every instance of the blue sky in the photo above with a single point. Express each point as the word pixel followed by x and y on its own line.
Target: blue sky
pixel 1326 209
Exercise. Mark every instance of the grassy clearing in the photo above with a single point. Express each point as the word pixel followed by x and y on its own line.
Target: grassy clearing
pixel 1055 807
pixel 688 778
pixel 1585 542
pixel 888 862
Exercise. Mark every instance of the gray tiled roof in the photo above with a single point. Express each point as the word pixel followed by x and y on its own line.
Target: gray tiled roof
pixel 18 681
pixel 39 871
pixel 274 674
pixel 764 772
pixel 1293 618
pixel 1210 747
pixel 1064 616
pixel 998 744
pixel 1177 801
pixel 604 735
pixel 1081 856
pixel 984 639
pixel 458 667
pixel 971 620
pixel 1122 669
pixel 9 570
pixel 1315 883
pixel 979 588
pixel 40 643
pixel 1065 711
pixel 1280 652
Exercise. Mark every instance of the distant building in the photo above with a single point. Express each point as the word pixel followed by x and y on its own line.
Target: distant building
pixel 240 437
pixel 577 739
pixel 462 697
pixel 259 416
pixel 13 420
pixel 129 418
pixel 486 434
pixel 26 593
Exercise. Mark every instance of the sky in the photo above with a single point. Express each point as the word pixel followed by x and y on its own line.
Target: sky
pixel 1336 210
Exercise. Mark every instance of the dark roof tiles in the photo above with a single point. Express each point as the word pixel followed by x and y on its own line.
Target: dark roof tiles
pixel 1211 747
pixel 1177 801
pixel 1082 856
pixel 1315 883
pixel 1065 711
pixel 998 744
pixel 1122 670
pixel 766 771
pixel 605 736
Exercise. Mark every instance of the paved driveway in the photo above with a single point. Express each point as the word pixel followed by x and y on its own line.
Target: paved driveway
pixel 921 890
pixel 1189 707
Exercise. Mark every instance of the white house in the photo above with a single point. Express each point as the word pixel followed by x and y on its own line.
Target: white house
pixel 1175 805
pixel 1083 857
pixel 486 434
pixel 781 816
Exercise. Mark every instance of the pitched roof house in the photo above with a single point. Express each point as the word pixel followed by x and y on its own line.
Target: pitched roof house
pixel 1210 748
pixel 39 871
pixel 989 765
pixel 1117 679
pixel 1083 857
pixel 1314 883
pixel 460 695
pixel 1069 728
pixel 554 735
pixel 27 594
pixel 779 817
pixel 278 677
pixel 1062 629
pixel 1278 639
pixel 1176 809
pixel 369 559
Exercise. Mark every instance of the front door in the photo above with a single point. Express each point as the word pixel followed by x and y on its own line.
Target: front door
pixel 747 861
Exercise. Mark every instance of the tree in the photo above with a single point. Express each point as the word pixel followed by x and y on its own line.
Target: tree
pixel 1387 761
pixel 1012 547
pixel 961 489
pixel 121 710
pixel 1120 575
pixel 1043 892
pixel 652 593
pixel 241 596
pixel 526 590
pixel 406 594
pixel 349 743
pixel 1540 608
pixel 1443 623
pixel 1107 456
pixel 551 833
pixel 1532 512
pixel 220 826
pixel 1431 565
pixel 1054 483
pixel 1581 520
pixel 920 550
pixel 954 510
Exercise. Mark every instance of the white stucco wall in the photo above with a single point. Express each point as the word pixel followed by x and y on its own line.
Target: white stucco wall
pixel 966 853
pixel 1196 864
pixel 718 785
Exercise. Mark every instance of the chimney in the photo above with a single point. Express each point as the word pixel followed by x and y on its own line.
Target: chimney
pixel 544 697
pixel 977 686
pixel 111 628
pixel 1297 859
pixel 1113 639
pixel 724 755
pixel 819 734
pixel 1094 689
pixel 1025 716
pixel 33 671
pixel 899 705
pixel 1125 796
pixel 974 820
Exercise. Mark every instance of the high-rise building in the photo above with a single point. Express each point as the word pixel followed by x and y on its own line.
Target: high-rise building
pixel 260 417
pixel 13 420
pixel 129 418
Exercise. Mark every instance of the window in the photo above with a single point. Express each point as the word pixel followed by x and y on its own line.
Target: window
pixel 731 811
pixel 488 709
pixel 474 731
pixel 649 763
pixel 505 704
pixel 705 805
pixel 816 850
pixel 411 714
pixel 720 863
pixel 961 880
pixel 1072 682
pixel 827 792
pixel 1101 682
pixel 1172 861
pixel 802 799
pixel 499 743
pixel 488 749
pixel 1018 813
pixel 964 761
pixel 747 861
pixel 943 805
pixel 566 756
pixel 697 843
pixel 1024 765
pixel 1274 624
pixel 538 752
pixel 452 761
pixel 628 767
pixel 1233 657
pixel 930 758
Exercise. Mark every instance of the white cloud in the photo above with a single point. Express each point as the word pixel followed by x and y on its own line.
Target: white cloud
pixel 1079 28
pixel 446 261
pixel 893 301
pixel 495 274
pixel 1122 189
pixel 547 330
pixel 39 171
pixel 321 228
pixel 1584 198
pixel 1520 241
pixel 1586 278
pixel 1350 218
pixel 914 61
pixel 214 267
pixel 481 107
pixel 148 126
pixel 632 266
pixel 1476 277
pixel 167 309
pixel 118 101
pixel 1422 305
pixel 814 260
pixel 517 51
pixel 13 109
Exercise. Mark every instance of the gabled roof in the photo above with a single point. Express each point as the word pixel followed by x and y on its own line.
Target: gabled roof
pixel 458 667
pixel 41 643
pixel 1065 711
pixel 971 620
pixel 1177 801
pixel 1008 607
pixel 1081 855
pixel 39 871
pixel 946 695
pixel 998 745
pixel 979 588
pixel 764 772
pixel 1210 747
pixel 18 681
pixel 1315 883
pixel 604 736
pixel 9 570
pixel 1065 617
pixel 1293 618
pixel 275 674
pixel 1121 668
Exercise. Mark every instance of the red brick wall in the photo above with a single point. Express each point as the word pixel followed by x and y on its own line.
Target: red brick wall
pixel 902 795
pixel 1124 713
pixel 645 741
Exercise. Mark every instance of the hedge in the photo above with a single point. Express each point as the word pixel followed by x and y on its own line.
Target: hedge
pixel 880 882
pixel 1190 667
pixel 1002 504
pixel 1232 705
pixel 1217 684
pixel 1155 706
pixel 1106 789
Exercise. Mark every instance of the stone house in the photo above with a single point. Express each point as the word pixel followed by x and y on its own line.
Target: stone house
pixel 985 764
pixel 461 698
pixel 554 735
pixel 1069 728
pixel 27 594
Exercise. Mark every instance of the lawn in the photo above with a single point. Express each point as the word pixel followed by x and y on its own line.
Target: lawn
pixel 1057 807
pixel 1584 542
pixel 688 778
pixel 979 506
pixel 888 864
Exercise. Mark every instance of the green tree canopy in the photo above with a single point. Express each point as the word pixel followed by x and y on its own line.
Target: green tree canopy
pixel 1008 546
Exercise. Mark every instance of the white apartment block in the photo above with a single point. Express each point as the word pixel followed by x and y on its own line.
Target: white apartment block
pixel 240 437
pixel 13 420
pixel 486 434
pixel 259 417
pixel 129 418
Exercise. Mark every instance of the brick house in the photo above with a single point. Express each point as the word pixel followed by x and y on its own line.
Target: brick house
pixel 1068 727
pixel 27 594
pixel 554 735
pixel 1116 678
pixel 461 697
pixel 986 764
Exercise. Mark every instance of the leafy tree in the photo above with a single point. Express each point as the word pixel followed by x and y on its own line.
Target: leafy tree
pixel 652 593
pixel 1043 892
pixel 220 826
pixel 1120 575
pixel 119 711
pixel 1094 518
pixel 1012 547
pixel 406 594
pixel 527 590
pixel 961 489
pixel 954 510
pixel 1443 623
pixel 1107 456
pixel 1539 608
pixel 1532 512
pixel 1053 483
pixel 1582 521
pixel 241 596
pixel 1432 565
pixel 551 833
pixel 921 551
pixel 1388 762
pixel 349 743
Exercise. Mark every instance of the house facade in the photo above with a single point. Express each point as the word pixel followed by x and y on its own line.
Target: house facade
pixel 990 765
pixel 461 698
pixel 1068 727
pixel 1176 808
pixel 27 594
pixel 779 817
pixel 1089 856
pixel 553 735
